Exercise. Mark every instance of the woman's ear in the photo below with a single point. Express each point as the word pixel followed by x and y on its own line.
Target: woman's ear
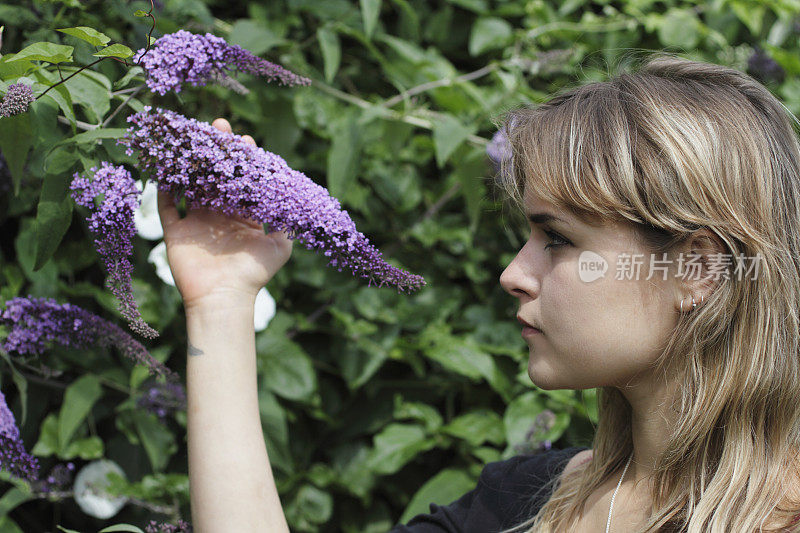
pixel 701 262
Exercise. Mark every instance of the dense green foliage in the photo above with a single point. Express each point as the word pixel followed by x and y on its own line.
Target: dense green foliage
pixel 374 404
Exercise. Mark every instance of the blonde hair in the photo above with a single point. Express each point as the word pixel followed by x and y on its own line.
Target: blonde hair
pixel 673 147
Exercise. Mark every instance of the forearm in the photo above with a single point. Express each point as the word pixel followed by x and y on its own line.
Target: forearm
pixel 230 478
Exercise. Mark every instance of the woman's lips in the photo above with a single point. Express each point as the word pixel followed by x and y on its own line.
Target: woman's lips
pixel 528 331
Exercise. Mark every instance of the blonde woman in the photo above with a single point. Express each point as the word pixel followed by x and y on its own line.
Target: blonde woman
pixel 663 267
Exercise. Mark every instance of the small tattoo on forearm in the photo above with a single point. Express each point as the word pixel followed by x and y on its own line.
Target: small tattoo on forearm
pixel 193 350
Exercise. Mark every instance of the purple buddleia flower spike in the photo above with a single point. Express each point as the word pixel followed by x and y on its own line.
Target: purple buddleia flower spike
pixel 13 457
pixel 35 323
pixel 163 399
pixel 59 479
pixel 219 171
pixel 113 227
pixel 184 57
pixel 181 527
pixel 16 100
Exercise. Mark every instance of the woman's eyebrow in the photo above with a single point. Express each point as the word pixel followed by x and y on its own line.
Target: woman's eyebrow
pixel 542 218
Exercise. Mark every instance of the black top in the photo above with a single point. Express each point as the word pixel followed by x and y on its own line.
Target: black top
pixel 505 496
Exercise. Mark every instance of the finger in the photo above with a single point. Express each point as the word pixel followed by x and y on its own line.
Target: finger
pixel 248 140
pixel 167 212
pixel 222 125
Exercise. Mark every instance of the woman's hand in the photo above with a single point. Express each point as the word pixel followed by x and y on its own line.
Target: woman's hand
pixel 215 256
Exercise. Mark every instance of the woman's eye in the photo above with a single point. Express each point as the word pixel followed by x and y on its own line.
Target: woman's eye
pixel 557 239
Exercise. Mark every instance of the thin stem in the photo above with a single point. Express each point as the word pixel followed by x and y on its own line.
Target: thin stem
pixel 388 113
pixel 71 75
pixel 574 26
pixel 82 125
pixel 120 106
pixel 147 48
pixel 439 83
pixel 126 91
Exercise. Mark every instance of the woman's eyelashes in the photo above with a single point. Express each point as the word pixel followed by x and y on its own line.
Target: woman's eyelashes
pixel 556 240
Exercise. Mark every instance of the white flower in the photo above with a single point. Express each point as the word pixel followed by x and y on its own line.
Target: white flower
pixel 158 257
pixel 89 490
pixel 146 219
pixel 264 309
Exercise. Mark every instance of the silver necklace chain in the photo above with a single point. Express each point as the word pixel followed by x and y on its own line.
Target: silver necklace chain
pixel 608 524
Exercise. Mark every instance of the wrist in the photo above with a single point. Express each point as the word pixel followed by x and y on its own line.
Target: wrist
pixel 222 300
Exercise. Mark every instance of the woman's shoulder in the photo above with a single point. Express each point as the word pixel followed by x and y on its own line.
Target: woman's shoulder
pixel 578 459
pixel 529 469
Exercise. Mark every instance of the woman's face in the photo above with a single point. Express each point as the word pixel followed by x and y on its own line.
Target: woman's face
pixel 595 332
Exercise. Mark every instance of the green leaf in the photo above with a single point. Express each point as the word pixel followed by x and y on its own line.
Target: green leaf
pixel 470 171
pixel 7 525
pixel 139 13
pixel 42 51
pixel 44 279
pixel 87 449
pixel 396 445
pixel 126 79
pixel 121 527
pixel 67 530
pixel 287 368
pixel 448 134
pixel 679 28
pixel 311 505
pixel 90 35
pixel 370 9
pixel 489 33
pixel 16 139
pixel 158 441
pixel 60 95
pixel 48 437
pixel 79 398
pixel 91 90
pixel 331 51
pixel 750 14
pixel 54 211
pixel 477 427
pixel 276 431
pixel 519 417
pixel 115 50
pixel 343 155
pixel 13 498
pixel 91 136
pixel 443 488
pixel 254 37
pixel 422 412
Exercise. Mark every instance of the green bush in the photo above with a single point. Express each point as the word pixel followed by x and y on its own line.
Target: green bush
pixel 374 404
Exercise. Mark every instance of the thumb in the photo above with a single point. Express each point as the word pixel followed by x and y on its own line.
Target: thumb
pixel 167 212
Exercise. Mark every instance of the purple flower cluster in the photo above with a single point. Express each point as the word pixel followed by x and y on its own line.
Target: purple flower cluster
pixel 181 527
pixel 36 322
pixel 112 224
pixel 542 424
pixel 163 399
pixel 498 148
pixel 13 457
pixel 59 478
pixel 221 172
pixel 16 100
pixel 184 57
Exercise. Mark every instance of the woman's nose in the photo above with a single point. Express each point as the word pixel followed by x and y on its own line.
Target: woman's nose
pixel 518 277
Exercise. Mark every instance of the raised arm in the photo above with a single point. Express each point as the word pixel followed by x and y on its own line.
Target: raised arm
pixel 219 264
